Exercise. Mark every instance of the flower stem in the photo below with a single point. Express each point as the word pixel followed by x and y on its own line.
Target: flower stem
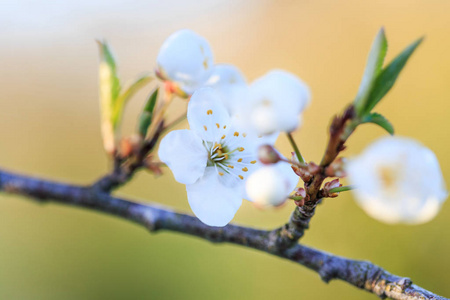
pixel 296 198
pixel 341 189
pixel 294 145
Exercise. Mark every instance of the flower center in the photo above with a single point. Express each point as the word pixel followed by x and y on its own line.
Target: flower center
pixel 388 176
pixel 220 154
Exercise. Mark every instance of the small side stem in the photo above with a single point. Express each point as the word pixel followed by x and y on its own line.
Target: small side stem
pixel 294 145
pixel 341 189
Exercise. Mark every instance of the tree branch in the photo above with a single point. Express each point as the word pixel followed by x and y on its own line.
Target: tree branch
pixel 340 130
pixel 361 274
pixel 125 168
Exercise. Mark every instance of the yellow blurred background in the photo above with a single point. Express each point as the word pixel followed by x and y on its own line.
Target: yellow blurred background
pixel 49 127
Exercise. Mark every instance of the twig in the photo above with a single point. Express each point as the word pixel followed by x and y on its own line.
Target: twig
pixel 125 171
pixel 361 274
pixel 340 130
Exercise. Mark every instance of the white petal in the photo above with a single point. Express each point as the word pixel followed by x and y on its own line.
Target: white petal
pixel 186 58
pixel 398 180
pixel 212 202
pixel 184 154
pixel 271 185
pixel 276 101
pixel 207 115
pixel 231 85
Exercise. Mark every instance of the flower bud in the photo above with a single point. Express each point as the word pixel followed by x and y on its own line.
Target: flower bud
pixel 276 102
pixel 186 59
pixel 268 155
pixel 329 186
pixel 268 186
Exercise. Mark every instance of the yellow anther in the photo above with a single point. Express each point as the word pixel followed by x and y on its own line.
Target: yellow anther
pixel 217 124
pixel 245 169
pixel 220 173
pixel 224 126
pixel 230 166
pixel 244 134
pixel 226 156
pixel 209 112
pixel 241 149
pixel 219 152
pixel 241 177
pixel 236 133
pixel 253 162
pixel 206 128
pixel 240 160
pixel 223 136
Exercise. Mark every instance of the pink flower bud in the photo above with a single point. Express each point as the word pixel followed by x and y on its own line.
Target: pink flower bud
pixel 268 155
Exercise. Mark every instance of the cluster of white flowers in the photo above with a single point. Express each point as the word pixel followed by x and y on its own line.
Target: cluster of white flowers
pixel 214 158
pixel 228 120
pixel 398 180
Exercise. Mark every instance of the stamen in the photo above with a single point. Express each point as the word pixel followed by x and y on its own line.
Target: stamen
pixel 245 169
pixel 244 134
pixel 206 128
pixel 230 166
pixel 240 149
pixel 241 177
pixel 220 173
pixel 236 133
pixel 253 162
pixel 209 112
pixel 223 136
pixel 217 124
pixel 226 156
pixel 240 160
pixel 224 126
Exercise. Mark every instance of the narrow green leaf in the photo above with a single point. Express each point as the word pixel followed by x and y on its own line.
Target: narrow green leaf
pixel 109 87
pixel 129 92
pixel 380 120
pixel 388 76
pixel 145 119
pixel 109 81
pixel 373 68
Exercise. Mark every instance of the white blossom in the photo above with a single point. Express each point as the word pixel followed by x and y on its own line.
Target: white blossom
pixel 398 180
pixel 276 102
pixel 230 83
pixel 186 59
pixel 213 158
pixel 270 185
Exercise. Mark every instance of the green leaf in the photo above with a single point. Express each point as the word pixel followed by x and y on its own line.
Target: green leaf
pixel 125 96
pixel 388 76
pixel 109 91
pixel 109 82
pixel 145 119
pixel 373 68
pixel 381 121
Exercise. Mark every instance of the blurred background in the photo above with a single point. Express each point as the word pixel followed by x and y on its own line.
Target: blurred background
pixel 49 127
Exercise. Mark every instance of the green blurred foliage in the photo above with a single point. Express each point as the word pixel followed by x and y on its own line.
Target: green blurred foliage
pixel 49 126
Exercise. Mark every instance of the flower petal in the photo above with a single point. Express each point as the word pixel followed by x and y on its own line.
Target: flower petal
pixel 207 115
pixel 398 180
pixel 270 185
pixel 186 58
pixel 231 85
pixel 276 101
pixel 212 202
pixel 184 154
